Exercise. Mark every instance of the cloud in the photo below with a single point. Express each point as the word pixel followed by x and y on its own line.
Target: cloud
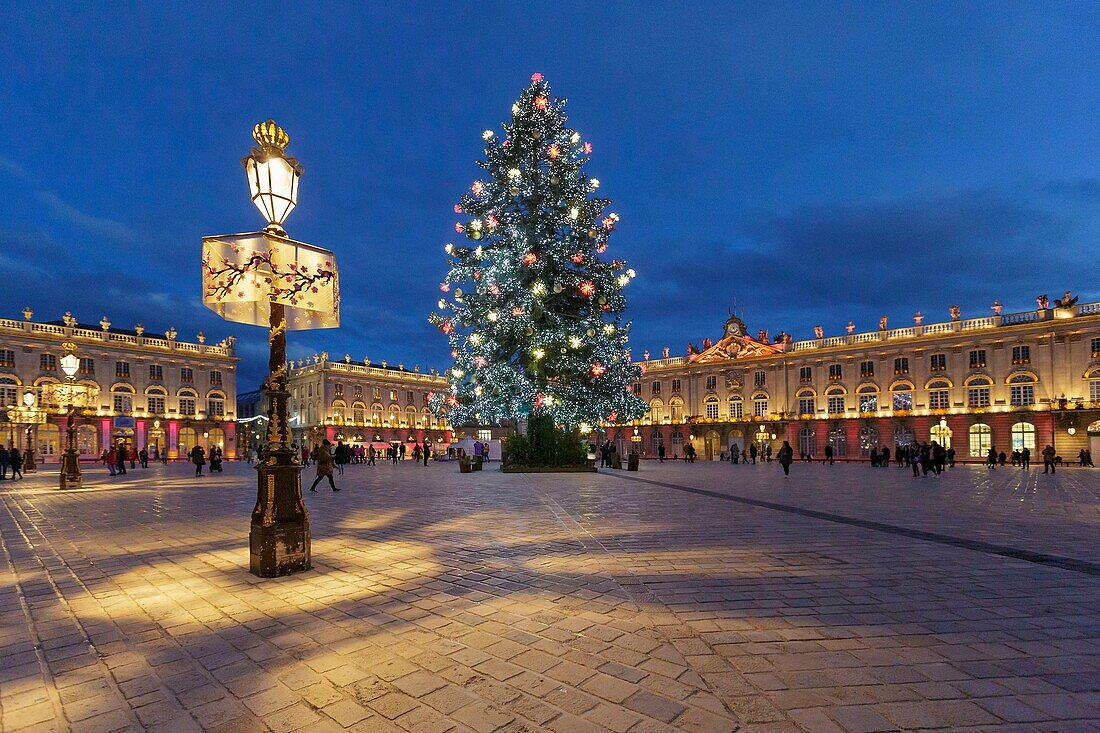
pixel 96 225
pixel 859 260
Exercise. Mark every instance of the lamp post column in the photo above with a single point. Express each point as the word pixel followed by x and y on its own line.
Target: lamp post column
pixel 70 461
pixel 28 455
pixel 279 539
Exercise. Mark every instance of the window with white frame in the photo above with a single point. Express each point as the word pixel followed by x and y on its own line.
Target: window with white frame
pixel 1021 395
pixel 760 406
pixel 938 396
pixel 806 403
pixel 187 406
pixel 835 404
pixel 737 407
pixel 712 382
pixel 977 396
pixel 215 407
pixel 711 406
pixel 675 385
pixel 903 398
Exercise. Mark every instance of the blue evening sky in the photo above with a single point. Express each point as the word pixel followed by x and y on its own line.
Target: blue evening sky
pixel 815 162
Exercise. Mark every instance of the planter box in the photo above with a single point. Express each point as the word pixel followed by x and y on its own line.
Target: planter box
pixel 548 469
pixel 465 466
pixel 478 462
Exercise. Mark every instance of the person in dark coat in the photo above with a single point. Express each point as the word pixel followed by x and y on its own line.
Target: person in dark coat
pixel 16 459
pixel 786 457
pixel 198 457
pixel 120 458
pixel 325 462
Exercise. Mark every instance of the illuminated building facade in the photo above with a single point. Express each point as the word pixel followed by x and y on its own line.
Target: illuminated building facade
pixel 364 403
pixel 1003 381
pixel 142 390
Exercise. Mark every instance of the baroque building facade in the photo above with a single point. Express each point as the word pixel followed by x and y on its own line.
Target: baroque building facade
pixel 362 403
pixel 1005 381
pixel 138 389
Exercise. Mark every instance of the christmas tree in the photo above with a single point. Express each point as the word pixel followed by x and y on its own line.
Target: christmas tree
pixel 532 310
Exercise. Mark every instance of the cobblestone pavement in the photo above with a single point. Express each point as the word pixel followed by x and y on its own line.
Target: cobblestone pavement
pixel 693 598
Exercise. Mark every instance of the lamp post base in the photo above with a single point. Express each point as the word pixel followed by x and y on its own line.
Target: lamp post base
pixel 279 539
pixel 28 462
pixel 70 470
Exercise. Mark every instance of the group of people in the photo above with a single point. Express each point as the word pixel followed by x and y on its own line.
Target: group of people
pixel 198 457
pixel 10 459
pixel 736 455
pixel 344 454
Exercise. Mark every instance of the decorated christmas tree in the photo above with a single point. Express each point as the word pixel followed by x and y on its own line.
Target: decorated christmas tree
pixel 531 307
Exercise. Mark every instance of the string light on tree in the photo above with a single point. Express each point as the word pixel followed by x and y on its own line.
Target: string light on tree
pixel 538 329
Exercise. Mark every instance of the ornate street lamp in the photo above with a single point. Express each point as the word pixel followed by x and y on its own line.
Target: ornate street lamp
pixel 28 414
pixel 70 459
pixel 267 279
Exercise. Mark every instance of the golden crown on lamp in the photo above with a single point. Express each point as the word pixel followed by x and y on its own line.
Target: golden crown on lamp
pixel 270 134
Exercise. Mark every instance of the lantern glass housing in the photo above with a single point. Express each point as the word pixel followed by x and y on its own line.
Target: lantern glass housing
pixel 70 364
pixel 28 399
pixel 272 176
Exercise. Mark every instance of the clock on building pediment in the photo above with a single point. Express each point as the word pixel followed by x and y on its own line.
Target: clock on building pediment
pixel 735 326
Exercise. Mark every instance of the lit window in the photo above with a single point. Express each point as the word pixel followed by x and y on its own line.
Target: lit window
pixel 7 358
pixel 759 378
pixel 47 362
pixel 903 400
pixel 867 369
pixel 760 406
pixel 122 402
pixel 981 438
pixel 938 362
pixel 737 406
pixel 187 406
pixel 834 371
pixel 836 404
pixel 977 358
pixel 1021 395
pixel 868 402
pixel 712 407
pixel 122 369
pixel 712 382
pixel 977 397
pixel 806 374
pixel 187 374
pixel 1023 436
pixel 1021 354
pixel 901 365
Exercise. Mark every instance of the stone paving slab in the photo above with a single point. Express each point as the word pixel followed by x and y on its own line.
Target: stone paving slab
pixel 446 602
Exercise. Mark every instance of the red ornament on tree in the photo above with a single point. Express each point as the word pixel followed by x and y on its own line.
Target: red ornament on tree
pixel 536 78
pixel 447 327
pixel 458 208
pixel 578 258
pixel 459 228
pixel 477 187
pixel 597 370
pixel 588 148
pixel 445 287
pixel 491 221
pixel 587 288
pixel 553 152
pixel 530 258
pixel 541 102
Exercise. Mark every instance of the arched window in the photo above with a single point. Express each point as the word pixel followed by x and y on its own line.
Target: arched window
pixel 215 404
pixel 838 439
pixel 1023 436
pixel 410 417
pixel 903 436
pixel 941 434
pixel 760 404
pixel 122 398
pixel 359 413
pixel 676 410
pixel 658 441
pixel 216 438
pixel 1021 389
pixel 902 396
pixel 46 439
pixel 736 406
pixel 9 391
pixel 376 411
pixel 834 400
pixel 977 391
pixel 939 394
pixel 1094 385
pixel 188 439
pixel 807 404
pixel 339 411
pixel 87 440
pixel 868 439
pixel 677 440
pixel 868 398
pixel 981 438
pixel 805 442
pixel 710 404
pixel 655 409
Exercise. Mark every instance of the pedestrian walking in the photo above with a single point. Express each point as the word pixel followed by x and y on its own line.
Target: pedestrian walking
pixel 768 453
pixel 786 457
pixel 752 453
pixel 828 455
pixel 16 460
pixel 1048 458
pixel 198 457
pixel 121 456
pixel 991 458
pixel 5 461
pixel 661 452
pixel 735 454
pixel 427 452
pixel 144 456
pixel 324 465
pixel 112 460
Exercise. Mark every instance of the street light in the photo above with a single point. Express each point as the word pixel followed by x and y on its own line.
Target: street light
pixel 70 460
pixel 267 279
pixel 29 415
